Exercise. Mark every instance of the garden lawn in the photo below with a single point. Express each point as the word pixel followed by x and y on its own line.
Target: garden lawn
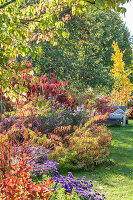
pixel 115 178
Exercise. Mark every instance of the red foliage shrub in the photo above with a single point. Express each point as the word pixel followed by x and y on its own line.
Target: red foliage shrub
pixel 18 185
pixel 45 87
pixel 100 103
pixel 130 113
pixel 5 103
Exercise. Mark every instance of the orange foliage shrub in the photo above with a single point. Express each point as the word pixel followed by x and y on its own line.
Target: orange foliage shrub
pixel 18 185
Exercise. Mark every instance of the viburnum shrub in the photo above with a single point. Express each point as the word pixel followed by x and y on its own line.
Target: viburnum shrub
pixel 100 103
pixel 18 185
pixel 97 106
pixel 89 145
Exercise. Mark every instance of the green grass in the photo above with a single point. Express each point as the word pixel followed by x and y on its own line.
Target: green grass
pixel 115 178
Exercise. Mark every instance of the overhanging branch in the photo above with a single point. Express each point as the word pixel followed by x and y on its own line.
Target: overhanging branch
pixel 6 4
pixel 93 3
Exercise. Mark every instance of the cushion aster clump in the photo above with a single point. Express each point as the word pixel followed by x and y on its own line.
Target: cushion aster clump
pixel 82 187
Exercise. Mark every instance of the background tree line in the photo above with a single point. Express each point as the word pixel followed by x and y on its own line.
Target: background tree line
pixel 83 54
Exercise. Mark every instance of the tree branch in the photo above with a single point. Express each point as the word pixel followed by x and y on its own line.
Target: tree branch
pixel 6 4
pixel 93 3
pixel 32 19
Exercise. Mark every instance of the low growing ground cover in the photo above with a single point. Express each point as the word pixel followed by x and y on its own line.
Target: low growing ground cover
pixel 115 177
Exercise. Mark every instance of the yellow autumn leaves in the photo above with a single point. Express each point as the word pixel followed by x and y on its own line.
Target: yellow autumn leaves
pixel 123 88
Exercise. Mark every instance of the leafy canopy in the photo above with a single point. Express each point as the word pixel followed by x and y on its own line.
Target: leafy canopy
pixel 20 18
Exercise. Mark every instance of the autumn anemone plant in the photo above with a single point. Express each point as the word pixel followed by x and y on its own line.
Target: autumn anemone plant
pixel 18 185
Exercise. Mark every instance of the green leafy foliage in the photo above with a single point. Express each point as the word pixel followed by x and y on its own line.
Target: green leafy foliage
pixel 31 16
pixel 60 194
pixel 85 57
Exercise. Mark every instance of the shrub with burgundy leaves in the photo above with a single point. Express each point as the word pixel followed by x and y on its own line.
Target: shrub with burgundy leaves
pixel 44 88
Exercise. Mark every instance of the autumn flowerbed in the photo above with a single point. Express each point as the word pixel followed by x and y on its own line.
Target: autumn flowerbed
pixel 17 183
pixel 47 132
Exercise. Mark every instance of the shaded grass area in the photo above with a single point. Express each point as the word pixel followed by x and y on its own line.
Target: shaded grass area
pixel 115 177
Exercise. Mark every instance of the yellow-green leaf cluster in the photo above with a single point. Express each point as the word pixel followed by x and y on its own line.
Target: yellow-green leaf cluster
pixel 123 88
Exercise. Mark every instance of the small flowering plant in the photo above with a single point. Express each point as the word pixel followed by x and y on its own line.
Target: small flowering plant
pixel 7 122
pixel 82 187
pixel 38 158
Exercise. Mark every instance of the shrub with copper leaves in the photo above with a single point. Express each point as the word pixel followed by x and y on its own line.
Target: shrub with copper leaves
pixel 130 113
pixel 89 145
pixel 18 185
pixel 60 136
pixel 8 154
pixel 92 143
